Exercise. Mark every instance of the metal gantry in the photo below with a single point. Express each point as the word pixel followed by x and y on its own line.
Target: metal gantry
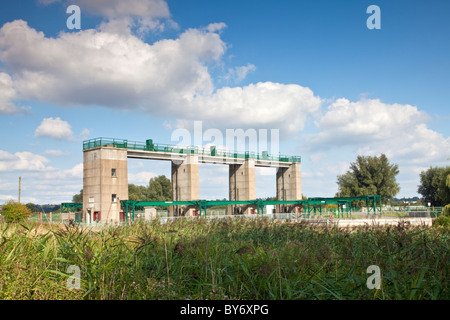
pixel 67 206
pixel 312 205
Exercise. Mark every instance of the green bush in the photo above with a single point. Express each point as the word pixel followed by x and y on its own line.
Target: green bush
pixel 442 221
pixel 15 212
pixel 446 211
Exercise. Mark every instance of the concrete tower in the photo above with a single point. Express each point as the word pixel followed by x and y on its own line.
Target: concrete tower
pixel 105 183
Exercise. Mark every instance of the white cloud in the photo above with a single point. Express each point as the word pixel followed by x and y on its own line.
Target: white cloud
pixel 141 178
pixel 56 153
pixel 91 67
pixel 280 106
pixel 85 134
pixel 263 171
pixel 366 120
pixel 54 128
pixel 167 78
pixel 26 161
pixel 216 26
pixel 40 183
pixel 121 16
pixel 373 127
pixel 7 95
pixel 119 8
pixel 238 74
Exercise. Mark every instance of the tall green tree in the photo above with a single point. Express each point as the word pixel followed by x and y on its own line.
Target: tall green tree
pixel 138 193
pixel 444 188
pixel 435 186
pixel 370 176
pixel 160 189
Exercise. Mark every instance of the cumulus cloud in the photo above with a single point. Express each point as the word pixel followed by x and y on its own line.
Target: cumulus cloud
pixel 239 73
pixel 122 16
pixel 374 127
pixel 167 78
pixel 119 8
pixel 41 183
pixel 91 67
pixel 142 177
pixel 281 106
pixel 7 95
pixel 26 161
pixel 54 128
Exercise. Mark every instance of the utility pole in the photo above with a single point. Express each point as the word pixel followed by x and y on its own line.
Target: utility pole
pixel 20 178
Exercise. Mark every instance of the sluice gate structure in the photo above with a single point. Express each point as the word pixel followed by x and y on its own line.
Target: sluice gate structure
pixel 105 182
pixel 105 177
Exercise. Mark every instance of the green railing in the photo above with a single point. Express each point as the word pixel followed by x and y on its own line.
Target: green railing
pixel 212 151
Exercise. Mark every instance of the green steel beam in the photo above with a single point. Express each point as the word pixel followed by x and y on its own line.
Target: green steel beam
pixel 70 205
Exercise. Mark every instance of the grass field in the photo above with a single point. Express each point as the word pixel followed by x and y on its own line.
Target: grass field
pixel 223 259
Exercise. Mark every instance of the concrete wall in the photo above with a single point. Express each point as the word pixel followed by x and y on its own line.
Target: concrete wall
pixel 99 184
pixel 289 186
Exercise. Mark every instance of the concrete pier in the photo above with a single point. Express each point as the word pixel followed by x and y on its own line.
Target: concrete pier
pixel 242 186
pixel 185 185
pixel 289 187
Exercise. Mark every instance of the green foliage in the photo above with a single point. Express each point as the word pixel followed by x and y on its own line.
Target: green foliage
pixel 159 189
pixel 369 176
pixel 78 198
pixel 446 211
pixel 435 186
pixel 32 207
pixel 137 193
pixel 15 212
pixel 444 187
pixel 236 259
pixel 442 222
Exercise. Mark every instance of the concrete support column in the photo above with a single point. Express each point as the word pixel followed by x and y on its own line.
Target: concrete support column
pixel 289 186
pixel 105 183
pixel 242 184
pixel 185 184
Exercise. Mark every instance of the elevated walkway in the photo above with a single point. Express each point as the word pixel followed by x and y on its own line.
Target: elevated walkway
pixel 150 150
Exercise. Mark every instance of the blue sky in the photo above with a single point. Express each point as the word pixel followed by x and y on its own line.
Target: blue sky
pixel 311 69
